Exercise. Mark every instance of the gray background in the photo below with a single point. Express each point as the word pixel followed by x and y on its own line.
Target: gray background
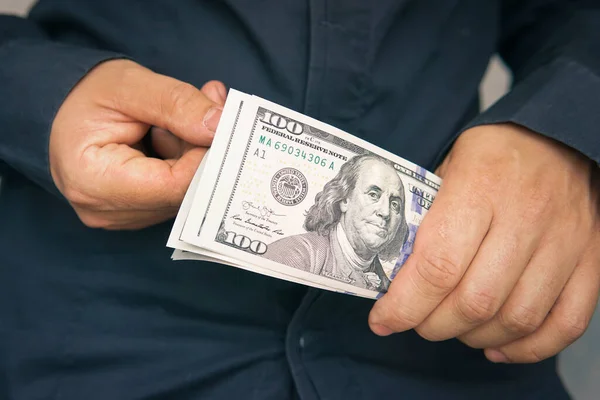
pixel 580 363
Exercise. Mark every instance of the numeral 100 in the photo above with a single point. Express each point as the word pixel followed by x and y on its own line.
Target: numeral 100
pixel 245 243
pixel 280 122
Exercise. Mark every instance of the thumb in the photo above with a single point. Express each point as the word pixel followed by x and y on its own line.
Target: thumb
pixel 170 104
pixel 169 146
pixel 215 91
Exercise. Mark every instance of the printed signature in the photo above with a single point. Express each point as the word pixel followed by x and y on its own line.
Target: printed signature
pixel 258 225
pixel 264 211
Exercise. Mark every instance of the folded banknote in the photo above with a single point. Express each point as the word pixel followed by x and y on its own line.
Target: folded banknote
pixel 288 196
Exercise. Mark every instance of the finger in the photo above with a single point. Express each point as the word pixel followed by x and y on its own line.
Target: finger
pixel 215 91
pixel 567 321
pixel 126 179
pixel 445 244
pixel 537 289
pixel 143 221
pixel 165 144
pixel 532 298
pixel 168 103
pixel 499 263
pixel 120 220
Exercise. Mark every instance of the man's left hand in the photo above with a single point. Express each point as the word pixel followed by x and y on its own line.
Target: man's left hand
pixel 508 257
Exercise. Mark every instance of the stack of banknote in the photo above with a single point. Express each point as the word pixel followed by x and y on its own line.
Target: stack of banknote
pixel 290 197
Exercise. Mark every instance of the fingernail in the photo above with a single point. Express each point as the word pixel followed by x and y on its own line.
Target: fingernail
pixel 496 356
pixel 381 330
pixel 222 93
pixel 211 119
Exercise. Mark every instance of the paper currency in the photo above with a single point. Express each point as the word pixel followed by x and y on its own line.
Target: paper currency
pixel 288 196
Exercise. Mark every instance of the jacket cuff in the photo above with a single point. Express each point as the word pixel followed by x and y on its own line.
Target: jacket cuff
pixel 35 78
pixel 560 100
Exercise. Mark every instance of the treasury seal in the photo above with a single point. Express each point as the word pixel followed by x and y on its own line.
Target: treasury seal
pixel 289 186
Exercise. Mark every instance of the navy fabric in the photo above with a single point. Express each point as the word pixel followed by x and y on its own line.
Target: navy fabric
pixel 90 314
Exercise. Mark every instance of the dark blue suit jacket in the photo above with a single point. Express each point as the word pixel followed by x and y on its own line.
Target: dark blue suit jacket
pixel 90 314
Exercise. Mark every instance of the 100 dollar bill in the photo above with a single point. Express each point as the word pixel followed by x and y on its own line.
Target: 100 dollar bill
pixel 291 197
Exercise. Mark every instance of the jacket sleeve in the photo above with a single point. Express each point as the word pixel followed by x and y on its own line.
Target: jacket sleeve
pixel 36 74
pixel 553 51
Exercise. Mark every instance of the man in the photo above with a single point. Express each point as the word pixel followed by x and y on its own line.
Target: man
pixel 357 220
pixel 504 271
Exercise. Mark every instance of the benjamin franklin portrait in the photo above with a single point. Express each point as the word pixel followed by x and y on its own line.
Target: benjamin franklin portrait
pixel 356 223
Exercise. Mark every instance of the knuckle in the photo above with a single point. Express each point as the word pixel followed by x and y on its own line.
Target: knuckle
pixel 402 316
pixel 126 70
pixel 470 341
pixel 521 319
pixel 477 306
pixel 438 270
pixel 78 198
pixel 177 97
pixel 573 327
pixel 429 334
pixel 92 220
pixel 76 184
pixel 395 315
pixel 533 355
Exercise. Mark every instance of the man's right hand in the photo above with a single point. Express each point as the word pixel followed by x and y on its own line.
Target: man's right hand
pixel 96 158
